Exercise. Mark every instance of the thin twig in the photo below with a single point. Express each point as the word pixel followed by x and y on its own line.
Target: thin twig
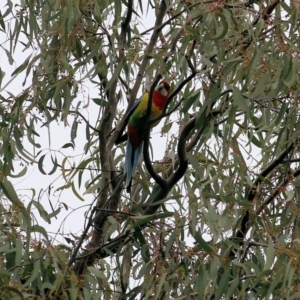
pixel 278 190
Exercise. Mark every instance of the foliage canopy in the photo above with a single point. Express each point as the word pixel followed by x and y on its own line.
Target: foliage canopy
pixel 213 214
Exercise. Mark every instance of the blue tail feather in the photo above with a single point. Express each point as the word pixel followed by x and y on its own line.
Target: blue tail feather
pixel 131 160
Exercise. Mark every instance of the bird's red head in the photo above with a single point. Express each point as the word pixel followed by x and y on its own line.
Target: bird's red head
pixel 164 88
pixel 161 94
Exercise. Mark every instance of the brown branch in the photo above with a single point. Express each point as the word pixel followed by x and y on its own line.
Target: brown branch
pixel 245 221
pixel 79 114
pixel 173 17
pixel 125 25
pixel 206 120
pixel 125 28
pixel 158 179
pixel 124 83
pixel 278 160
pixel 86 121
pixel 99 221
pixel 278 190
pixel 147 56
pixel 83 236
pixel 102 76
pixel 264 15
pixel 291 160
pixel 160 193
pixel 267 11
pixel 180 162
pixel 105 129
pixel 181 150
pixel 148 52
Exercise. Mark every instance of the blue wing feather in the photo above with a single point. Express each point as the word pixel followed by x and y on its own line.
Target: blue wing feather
pixel 131 160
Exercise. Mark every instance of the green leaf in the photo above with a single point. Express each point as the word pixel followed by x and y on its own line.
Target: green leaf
pixel 9 191
pixel 40 164
pixel 270 255
pixel 78 48
pixel 142 220
pixel 13 290
pixel 4 248
pixel 10 58
pixel 231 66
pixel 276 280
pixel 65 186
pixel 97 273
pixel 36 270
pixel 55 165
pixel 195 163
pixel 100 102
pixel 190 101
pixel 232 287
pixel 2 124
pixel 68 145
pixel 2 74
pixel 171 241
pixel 201 242
pixel 37 228
pixel 54 213
pixel 239 99
pixel 83 165
pixel 223 285
pixel 262 276
pixel 145 248
pixel 2 24
pixel 5 273
pixel 74 130
pixel 161 283
pixel 41 210
pixel 281 114
pixel 254 140
pixel 76 193
pixel 22 67
pixel 221 30
pixel 292 76
pixel 87 133
pixel 116 73
pixel 20 174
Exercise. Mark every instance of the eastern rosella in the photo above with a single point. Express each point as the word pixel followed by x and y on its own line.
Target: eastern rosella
pixel 136 126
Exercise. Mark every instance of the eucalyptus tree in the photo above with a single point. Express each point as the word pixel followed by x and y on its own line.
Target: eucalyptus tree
pixel 213 210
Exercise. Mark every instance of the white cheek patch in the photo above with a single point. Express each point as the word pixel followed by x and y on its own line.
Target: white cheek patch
pixel 164 92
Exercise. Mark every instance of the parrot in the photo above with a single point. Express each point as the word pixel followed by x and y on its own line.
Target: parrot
pixel 136 126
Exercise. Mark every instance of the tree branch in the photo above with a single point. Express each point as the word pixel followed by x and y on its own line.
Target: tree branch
pixel 158 179
pixel 83 236
pixel 124 29
pixel 245 222
pixel 267 11
pixel 279 189
pixel 148 52
pixel 147 56
pixel 99 223
pixel 278 160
